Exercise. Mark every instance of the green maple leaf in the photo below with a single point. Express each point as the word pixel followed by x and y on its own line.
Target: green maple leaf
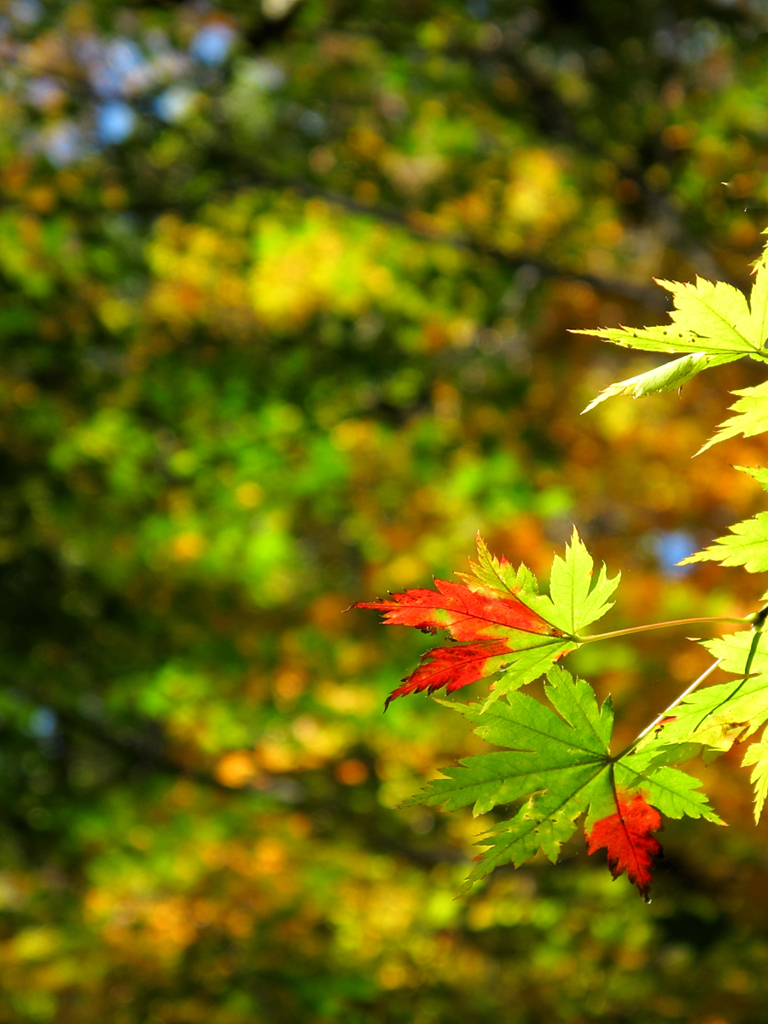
pixel 709 318
pixel 715 718
pixel 577 597
pixel 667 377
pixel 575 600
pixel 759 473
pixel 758 300
pixel 711 324
pixel 525 667
pixel 747 543
pixel 757 755
pixel 750 416
pixel 712 720
pixel 558 762
pixel 718 313
pixel 744 654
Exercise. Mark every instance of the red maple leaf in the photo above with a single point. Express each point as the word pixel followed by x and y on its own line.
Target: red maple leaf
pixel 627 838
pixel 466 614
pixel 495 622
pixel 453 667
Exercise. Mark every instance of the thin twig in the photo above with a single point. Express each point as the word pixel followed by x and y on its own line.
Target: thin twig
pixel 697 682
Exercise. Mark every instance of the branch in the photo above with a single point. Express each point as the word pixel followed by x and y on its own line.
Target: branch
pixel 649 297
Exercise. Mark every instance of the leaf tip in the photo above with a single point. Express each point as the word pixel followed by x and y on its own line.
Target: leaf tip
pixel 595 401
pixel 628 840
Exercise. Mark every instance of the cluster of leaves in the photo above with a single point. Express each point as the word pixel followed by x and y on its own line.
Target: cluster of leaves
pixel 559 764
pixel 713 324
pixel 510 626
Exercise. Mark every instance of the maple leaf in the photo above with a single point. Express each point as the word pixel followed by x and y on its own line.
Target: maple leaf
pixel 577 598
pixel 747 543
pixel 713 719
pixel 667 377
pixel 719 314
pixel 757 755
pixel 711 324
pixel 558 763
pixel 758 300
pixel 467 614
pixel 626 835
pixel 499 619
pixel 709 318
pixel 454 667
pixel 750 416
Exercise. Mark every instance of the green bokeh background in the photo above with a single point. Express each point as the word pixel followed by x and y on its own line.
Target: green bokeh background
pixel 284 299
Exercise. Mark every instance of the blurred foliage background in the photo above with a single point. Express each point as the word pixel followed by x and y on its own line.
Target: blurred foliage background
pixel 284 297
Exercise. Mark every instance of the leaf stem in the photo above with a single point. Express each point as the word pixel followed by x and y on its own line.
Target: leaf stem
pixel 660 718
pixel 757 619
pixel 697 682
pixel 660 625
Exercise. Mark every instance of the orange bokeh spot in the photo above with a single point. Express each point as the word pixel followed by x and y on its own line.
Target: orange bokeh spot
pixel 351 772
